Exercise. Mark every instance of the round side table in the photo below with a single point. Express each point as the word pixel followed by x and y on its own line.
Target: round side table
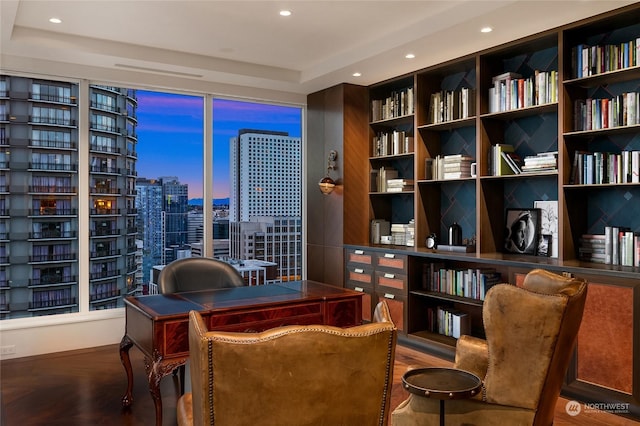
pixel 442 383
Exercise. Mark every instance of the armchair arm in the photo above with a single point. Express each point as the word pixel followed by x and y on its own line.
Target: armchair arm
pixel 472 355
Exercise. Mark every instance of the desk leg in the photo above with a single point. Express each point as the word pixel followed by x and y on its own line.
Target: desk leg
pixel 442 412
pixel 156 370
pixel 125 345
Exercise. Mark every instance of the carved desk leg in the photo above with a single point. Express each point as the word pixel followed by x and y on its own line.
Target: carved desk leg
pixel 156 369
pixel 125 345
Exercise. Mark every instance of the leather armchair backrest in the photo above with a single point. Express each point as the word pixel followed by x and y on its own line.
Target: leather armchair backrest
pixel 197 273
pixel 531 332
pixel 292 375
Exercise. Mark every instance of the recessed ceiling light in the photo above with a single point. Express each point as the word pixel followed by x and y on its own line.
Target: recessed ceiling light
pixel 356 74
pixel 285 13
pixel 55 20
pixel 486 30
pixel 409 56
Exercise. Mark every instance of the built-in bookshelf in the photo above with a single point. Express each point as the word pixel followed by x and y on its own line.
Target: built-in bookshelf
pixel 516 127
pixel 391 161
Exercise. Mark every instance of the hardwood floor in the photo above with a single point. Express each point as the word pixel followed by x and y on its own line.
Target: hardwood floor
pixel 85 388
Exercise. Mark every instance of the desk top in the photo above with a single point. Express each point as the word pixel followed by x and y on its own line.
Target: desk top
pixel 158 305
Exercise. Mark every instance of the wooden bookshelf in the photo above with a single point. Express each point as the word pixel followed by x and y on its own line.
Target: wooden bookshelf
pixel 479 203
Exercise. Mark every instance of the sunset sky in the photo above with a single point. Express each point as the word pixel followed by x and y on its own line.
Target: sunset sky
pixel 170 135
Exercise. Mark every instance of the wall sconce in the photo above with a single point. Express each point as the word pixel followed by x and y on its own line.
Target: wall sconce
pixel 326 183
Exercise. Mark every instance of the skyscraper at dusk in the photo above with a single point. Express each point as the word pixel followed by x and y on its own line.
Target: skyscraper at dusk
pixel 265 175
pixel 266 192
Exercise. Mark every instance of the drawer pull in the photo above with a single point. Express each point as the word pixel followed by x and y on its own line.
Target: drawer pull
pixel 358 251
pixel 389 296
pixel 358 271
pixel 360 289
pixel 388 275
pixel 389 255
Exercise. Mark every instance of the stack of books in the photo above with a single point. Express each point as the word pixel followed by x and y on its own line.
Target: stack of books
pixel 399 185
pixel 592 248
pixel 403 234
pixel 456 166
pixel 541 162
pixel 621 246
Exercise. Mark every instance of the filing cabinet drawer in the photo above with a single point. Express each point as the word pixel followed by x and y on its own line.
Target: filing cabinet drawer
pixel 359 274
pixel 396 308
pixel 391 261
pixel 367 299
pixel 360 257
pixel 391 280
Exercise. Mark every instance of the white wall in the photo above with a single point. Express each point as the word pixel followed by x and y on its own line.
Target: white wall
pixel 57 333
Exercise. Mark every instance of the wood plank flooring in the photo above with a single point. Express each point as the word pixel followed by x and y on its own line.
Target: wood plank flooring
pixel 85 388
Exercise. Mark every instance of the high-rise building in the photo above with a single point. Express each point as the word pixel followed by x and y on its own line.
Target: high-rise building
pixel 175 205
pixel 266 175
pixel 272 239
pixel 266 195
pixel 150 224
pixel 112 175
pixel 39 242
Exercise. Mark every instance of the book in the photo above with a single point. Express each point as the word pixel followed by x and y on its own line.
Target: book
pixel 500 166
pixel 513 160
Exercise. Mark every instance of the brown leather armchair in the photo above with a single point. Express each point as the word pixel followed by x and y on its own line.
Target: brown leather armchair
pixel 290 375
pixel 530 336
pixel 197 273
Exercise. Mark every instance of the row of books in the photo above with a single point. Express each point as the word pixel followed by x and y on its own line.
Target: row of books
pixel 617 246
pixel 379 178
pixel 392 143
pixel 445 167
pixel 591 60
pixel 448 322
pixel 397 104
pixel 511 91
pixel 449 105
pixel 596 114
pixel 51 298
pixel 605 167
pixel 472 283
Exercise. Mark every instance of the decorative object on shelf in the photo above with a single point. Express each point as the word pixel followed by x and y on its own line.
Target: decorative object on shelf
pixel 455 234
pixel 432 241
pixel 522 228
pixel 327 184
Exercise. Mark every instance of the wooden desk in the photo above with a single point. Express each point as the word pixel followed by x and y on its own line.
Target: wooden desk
pixel 158 324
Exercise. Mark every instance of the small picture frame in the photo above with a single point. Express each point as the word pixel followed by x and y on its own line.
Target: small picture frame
pixel 545 245
pixel 522 227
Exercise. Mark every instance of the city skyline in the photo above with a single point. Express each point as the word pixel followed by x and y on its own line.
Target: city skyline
pixel 170 127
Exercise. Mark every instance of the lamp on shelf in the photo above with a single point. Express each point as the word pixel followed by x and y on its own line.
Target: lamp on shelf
pixel 326 183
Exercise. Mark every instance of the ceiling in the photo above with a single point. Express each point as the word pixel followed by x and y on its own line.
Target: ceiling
pixel 247 43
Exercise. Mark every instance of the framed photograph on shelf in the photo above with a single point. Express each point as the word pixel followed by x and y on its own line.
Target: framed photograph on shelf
pixel 544 245
pixel 549 223
pixel 522 227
